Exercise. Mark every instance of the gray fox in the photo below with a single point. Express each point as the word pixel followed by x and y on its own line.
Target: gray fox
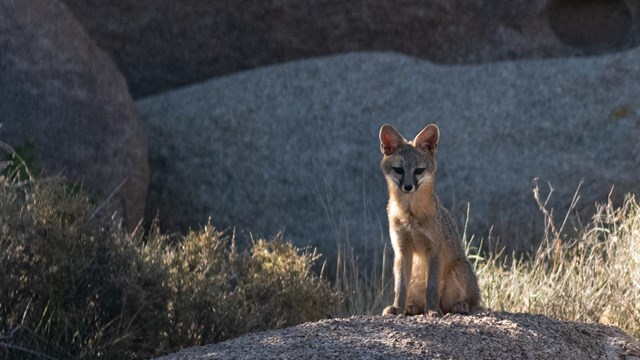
pixel 431 272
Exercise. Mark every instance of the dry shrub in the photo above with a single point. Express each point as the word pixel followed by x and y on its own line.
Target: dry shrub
pixel 218 292
pixel 75 284
pixel 277 280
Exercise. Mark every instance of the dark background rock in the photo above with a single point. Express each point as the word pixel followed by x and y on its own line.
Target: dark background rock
pixel 161 45
pixel 64 99
pixel 295 146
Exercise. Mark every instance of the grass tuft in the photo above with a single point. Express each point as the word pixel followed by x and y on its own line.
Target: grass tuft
pixel 593 276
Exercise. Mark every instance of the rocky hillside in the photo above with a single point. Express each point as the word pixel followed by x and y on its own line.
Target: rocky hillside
pixel 481 336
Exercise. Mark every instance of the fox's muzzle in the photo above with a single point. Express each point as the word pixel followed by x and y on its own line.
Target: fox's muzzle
pixel 409 188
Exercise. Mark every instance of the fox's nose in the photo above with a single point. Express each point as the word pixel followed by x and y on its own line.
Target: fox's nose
pixel 407 187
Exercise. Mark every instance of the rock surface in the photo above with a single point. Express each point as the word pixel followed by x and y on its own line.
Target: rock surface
pixel 63 99
pixel 295 146
pixel 482 336
pixel 164 44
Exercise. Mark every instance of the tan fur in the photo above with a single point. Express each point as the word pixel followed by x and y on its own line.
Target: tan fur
pixel 432 275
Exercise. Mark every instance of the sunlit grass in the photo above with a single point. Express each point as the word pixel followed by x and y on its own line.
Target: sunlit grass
pixel 590 274
pixel 592 277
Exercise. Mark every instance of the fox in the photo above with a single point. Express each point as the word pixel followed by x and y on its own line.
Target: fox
pixel 432 275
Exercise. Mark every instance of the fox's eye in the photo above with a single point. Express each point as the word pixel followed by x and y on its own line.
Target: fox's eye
pixel 398 170
pixel 419 171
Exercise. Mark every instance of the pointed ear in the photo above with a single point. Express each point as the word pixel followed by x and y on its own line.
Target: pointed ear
pixel 390 139
pixel 427 139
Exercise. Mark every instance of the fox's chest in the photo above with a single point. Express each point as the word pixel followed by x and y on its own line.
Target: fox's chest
pixel 415 233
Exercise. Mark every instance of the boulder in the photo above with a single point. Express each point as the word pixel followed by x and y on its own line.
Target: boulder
pixel 295 146
pixel 482 336
pixel 164 44
pixel 63 101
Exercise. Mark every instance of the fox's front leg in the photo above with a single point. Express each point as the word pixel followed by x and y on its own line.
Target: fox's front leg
pixel 432 307
pixel 402 274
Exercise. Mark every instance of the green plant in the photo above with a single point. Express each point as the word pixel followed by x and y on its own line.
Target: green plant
pixel 20 162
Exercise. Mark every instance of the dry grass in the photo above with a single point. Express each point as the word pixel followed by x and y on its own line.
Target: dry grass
pixel 593 276
pixel 589 274
pixel 367 290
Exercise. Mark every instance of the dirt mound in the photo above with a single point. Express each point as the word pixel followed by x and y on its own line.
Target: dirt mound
pixel 481 336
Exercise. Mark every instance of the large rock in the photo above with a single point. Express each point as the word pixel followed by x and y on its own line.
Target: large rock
pixel 295 146
pixel 64 99
pixel 483 336
pixel 164 44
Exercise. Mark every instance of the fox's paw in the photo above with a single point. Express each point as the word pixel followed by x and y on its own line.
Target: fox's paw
pixel 461 307
pixel 433 313
pixel 392 310
pixel 412 309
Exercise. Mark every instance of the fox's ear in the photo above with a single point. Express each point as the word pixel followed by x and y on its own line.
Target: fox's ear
pixel 390 139
pixel 427 139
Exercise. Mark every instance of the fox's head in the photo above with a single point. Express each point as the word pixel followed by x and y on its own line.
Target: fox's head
pixel 408 165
